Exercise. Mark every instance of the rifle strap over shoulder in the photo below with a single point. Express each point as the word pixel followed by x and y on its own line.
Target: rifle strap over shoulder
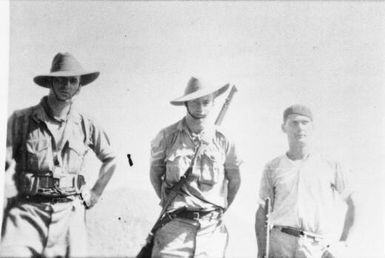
pixel 175 190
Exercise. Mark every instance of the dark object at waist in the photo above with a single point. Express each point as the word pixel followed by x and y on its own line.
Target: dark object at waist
pixel 197 215
pixel 47 199
pixel 298 232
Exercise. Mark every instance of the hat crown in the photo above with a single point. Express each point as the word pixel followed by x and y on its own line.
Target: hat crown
pixel 297 109
pixel 194 85
pixel 196 88
pixel 65 62
pixel 65 65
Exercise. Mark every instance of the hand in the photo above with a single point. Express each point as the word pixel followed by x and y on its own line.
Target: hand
pixel 261 255
pixel 89 197
pixel 336 250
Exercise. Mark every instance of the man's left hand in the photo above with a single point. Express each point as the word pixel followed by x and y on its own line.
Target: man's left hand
pixel 336 250
pixel 90 198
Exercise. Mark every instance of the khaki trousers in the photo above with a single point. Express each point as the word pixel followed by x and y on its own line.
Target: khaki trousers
pixel 283 245
pixel 190 238
pixel 44 230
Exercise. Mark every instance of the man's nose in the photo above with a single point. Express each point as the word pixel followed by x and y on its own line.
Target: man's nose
pixel 300 126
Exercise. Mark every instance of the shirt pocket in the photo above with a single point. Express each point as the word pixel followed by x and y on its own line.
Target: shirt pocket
pixel 210 165
pixel 74 156
pixel 39 154
pixel 177 163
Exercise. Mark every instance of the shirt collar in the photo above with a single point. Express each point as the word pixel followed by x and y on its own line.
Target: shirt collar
pixel 308 156
pixel 209 132
pixel 42 110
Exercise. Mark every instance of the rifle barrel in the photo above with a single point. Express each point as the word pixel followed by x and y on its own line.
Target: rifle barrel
pixel 225 106
pixel 267 227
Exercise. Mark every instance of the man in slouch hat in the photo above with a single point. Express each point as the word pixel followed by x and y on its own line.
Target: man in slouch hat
pixel 303 187
pixel 196 228
pixel 47 144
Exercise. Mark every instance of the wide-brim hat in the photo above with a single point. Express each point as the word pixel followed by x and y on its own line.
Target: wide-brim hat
pixel 196 88
pixel 65 65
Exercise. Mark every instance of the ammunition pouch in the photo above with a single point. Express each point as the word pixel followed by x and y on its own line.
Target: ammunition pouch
pixel 45 184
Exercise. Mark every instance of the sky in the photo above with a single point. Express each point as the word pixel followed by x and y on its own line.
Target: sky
pixel 327 55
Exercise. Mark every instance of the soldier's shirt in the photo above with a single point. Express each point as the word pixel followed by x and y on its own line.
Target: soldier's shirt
pixel 304 193
pixel 31 140
pixel 37 143
pixel 172 151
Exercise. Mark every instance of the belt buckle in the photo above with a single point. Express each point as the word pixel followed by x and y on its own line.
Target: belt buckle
pixel 312 237
pixel 55 200
pixel 213 215
pixel 196 215
pixel 60 199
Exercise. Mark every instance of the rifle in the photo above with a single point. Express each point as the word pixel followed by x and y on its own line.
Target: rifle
pixel 164 216
pixel 226 105
pixel 267 227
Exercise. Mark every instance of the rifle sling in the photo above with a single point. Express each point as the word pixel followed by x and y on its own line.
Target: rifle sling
pixel 175 190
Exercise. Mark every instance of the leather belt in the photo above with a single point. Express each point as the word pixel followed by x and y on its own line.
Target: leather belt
pixel 197 215
pixel 298 232
pixel 48 199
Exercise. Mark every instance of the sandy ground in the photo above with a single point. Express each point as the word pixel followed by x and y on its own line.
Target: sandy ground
pixel 119 223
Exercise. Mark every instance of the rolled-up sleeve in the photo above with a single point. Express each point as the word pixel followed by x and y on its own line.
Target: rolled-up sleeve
pixel 343 181
pixel 100 143
pixel 232 160
pixel 158 154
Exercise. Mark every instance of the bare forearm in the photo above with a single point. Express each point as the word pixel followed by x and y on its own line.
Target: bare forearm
pixel 105 173
pixel 350 218
pixel 232 191
pixel 234 182
pixel 260 231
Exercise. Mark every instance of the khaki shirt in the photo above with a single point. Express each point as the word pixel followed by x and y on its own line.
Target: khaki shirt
pixel 171 153
pixel 32 145
pixel 304 193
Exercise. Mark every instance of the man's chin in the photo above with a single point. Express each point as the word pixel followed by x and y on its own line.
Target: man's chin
pixel 200 117
pixel 64 100
pixel 301 140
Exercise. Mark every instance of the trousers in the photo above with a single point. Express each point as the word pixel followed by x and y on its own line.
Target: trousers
pixel 283 245
pixel 44 230
pixel 191 238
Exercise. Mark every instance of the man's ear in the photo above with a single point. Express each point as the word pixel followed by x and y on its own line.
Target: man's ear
pixel 283 127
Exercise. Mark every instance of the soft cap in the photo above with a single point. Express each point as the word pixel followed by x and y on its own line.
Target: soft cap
pixel 297 109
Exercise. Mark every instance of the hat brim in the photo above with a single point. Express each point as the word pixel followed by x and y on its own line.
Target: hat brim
pixel 199 94
pixel 44 80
